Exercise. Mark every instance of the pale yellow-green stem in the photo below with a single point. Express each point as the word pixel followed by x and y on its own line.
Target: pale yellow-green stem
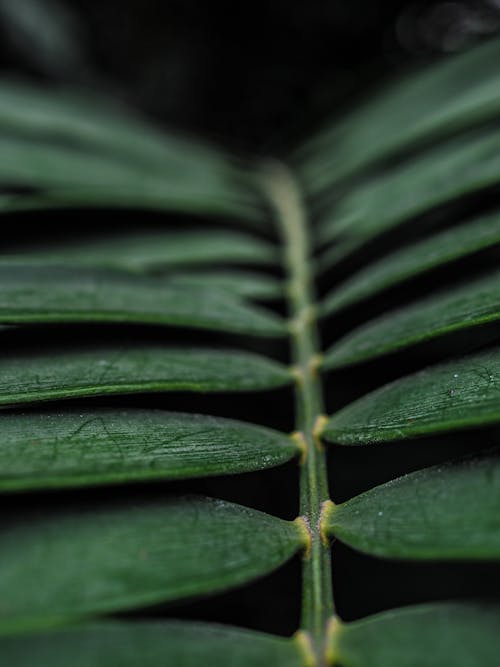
pixel 317 598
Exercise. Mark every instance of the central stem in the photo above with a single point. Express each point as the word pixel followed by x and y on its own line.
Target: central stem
pixel 317 600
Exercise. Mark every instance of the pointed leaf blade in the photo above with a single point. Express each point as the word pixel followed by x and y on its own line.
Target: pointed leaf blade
pixel 456 243
pixel 460 167
pixel 101 124
pixel 49 294
pixel 73 562
pixel 432 635
pixel 447 512
pixel 439 101
pixel 55 139
pixel 150 644
pixel 459 308
pixel 242 284
pixel 154 251
pixel 47 374
pixel 55 449
pixel 450 396
pixel 72 177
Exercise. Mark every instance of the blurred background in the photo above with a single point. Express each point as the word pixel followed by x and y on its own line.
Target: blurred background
pixel 252 75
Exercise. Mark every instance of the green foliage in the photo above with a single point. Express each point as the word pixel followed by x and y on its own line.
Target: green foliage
pixel 420 109
pixel 470 305
pixel 44 449
pixel 96 370
pixel 155 252
pixel 425 635
pixel 133 554
pixel 129 644
pixel 449 396
pixel 58 294
pixel 385 183
pixel 459 242
pixel 445 172
pixel 426 514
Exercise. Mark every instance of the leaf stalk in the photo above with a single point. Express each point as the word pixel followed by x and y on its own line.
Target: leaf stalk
pixel 317 598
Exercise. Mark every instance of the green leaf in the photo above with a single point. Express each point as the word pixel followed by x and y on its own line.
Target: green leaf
pixel 15 203
pixel 40 294
pixel 32 376
pixel 432 635
pixel 458 93
pixel 79 130
pixel 53 449
pixel 102 124
pixel 69 563
pixel 445 512
pixel 150 644
pixel 243 284
pixel 460 167
pixel 453 395
pixel 73 177
pixel 410 262
pixel 154 251
pixel 459 308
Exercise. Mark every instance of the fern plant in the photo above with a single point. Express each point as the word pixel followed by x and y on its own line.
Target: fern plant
pixel 377 190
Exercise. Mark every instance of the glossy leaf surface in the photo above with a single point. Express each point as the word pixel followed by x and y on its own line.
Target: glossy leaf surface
pixel 32 376
pixel 155 251
pixel 150 644
pixel 73 177
pixel 458 168
pixel 453 395
pixel 41 294
pixel 415 260
pixel 57 448
pixel 436 102
pixel 440 513
pixel 464 307
pixel 91 122
pixel 433 635
pixel 70 563
pixel 243 284
pixel 79 130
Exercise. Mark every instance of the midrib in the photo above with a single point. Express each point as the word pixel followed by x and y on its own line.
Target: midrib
pixel 317 595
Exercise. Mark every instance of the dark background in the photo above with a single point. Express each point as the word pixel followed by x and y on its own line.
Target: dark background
pixel 254 75
pixel 257 77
